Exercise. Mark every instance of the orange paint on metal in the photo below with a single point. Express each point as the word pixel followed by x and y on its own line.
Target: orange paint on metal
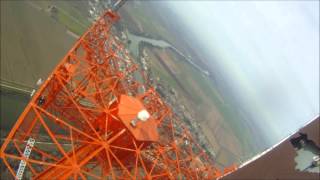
pixel 81 121
pixel 129 107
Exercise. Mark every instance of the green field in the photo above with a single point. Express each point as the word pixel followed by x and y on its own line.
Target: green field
pixel 72 14
pixel 204 94
pixel 12 104
pixel 229 114
pixel 32 43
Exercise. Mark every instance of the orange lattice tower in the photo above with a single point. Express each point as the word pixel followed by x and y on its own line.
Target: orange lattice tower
pixel 94 118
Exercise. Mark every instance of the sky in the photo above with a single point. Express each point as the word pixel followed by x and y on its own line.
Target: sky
pixel 269 50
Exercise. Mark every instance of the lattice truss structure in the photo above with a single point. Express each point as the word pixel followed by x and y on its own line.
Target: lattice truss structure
pixel 94 118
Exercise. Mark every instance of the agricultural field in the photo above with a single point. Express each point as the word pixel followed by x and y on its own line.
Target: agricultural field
pixel 32 42
pixel 217 114
pixel 41 32
pixel 199 95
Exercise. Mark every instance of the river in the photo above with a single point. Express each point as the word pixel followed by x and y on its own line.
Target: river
pixel 13 102
pixel 136 40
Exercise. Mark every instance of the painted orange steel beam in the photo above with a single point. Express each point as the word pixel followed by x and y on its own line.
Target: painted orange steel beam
pixel 94 118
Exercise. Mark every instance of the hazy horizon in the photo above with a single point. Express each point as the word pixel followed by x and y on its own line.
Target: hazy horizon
pixel 268 51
